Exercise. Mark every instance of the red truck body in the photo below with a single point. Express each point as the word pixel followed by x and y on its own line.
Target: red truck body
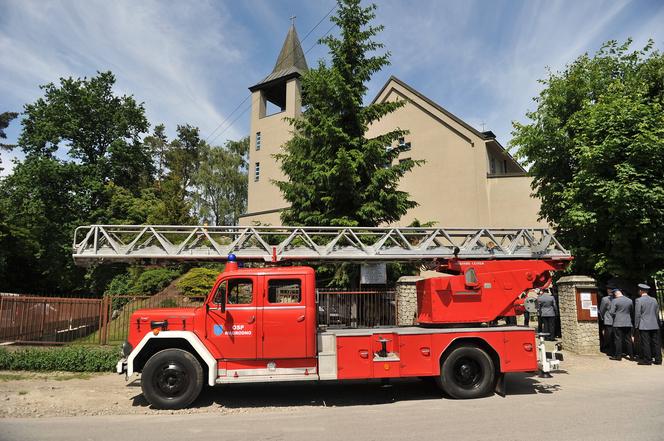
pixel 260 324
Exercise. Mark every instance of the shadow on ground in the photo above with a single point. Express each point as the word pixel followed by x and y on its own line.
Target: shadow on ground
pixel 342 393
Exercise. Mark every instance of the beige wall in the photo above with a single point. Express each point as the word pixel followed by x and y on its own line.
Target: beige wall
pixel 510 200
pixel 275 131
pixel 452 187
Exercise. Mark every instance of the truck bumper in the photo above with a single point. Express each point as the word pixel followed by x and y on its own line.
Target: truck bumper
pixel 121 367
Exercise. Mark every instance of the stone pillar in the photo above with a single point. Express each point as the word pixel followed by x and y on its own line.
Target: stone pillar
pixel 581 337
pixel 407 300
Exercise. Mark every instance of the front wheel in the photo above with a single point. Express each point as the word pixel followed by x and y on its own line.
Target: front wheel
pixel 172 379
pixel 467 372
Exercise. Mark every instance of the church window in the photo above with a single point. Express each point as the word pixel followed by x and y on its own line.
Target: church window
pixel 493 166
pixel 258 141
pixel 504 165
pixel 403 145
pixel 257 171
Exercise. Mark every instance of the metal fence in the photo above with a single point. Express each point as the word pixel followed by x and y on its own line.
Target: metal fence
pixel 356 309
pixel 32 319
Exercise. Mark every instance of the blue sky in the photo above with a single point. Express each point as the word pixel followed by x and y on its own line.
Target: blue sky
pixel 192 61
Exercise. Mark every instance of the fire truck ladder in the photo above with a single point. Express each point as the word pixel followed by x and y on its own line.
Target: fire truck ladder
pixel 126 243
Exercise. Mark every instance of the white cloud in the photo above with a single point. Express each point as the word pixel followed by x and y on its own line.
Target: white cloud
pixel 170 55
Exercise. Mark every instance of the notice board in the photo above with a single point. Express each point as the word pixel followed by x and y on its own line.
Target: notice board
pixel 586 304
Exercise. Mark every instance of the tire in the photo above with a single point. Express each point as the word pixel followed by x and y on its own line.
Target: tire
pixel 172 379
pixel 468 372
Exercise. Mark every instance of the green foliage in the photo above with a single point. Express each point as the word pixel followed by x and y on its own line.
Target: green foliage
pixel 221 182
pixel 106 177
pixel 335 174
pixel 595 146
pixel 153 280
pixel 45 198
pixel 66 358
pixel 84 114
pixel 198 281
pixel 5 119
pixel 41 204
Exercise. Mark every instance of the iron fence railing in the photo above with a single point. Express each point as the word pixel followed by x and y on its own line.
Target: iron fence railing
pixel 32 319
pixel 356 309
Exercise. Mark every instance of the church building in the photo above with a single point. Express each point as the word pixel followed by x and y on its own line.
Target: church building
pixel 468 179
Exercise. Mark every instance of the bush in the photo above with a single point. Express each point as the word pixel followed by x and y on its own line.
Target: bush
pixel 139 282
pixel 198 281
pixel 67 358
pixel 152 281
pixel 120 285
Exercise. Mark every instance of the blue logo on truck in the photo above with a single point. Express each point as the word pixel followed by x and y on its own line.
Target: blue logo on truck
pixel 218 330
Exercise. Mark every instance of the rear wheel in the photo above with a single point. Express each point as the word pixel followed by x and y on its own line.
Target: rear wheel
pixel 468 372
pixel 172 379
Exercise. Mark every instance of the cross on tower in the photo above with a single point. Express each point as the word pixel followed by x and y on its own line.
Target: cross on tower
pixel 292 19
pixel 483 124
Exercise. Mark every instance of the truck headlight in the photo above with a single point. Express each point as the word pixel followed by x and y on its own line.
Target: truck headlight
pixel 126 349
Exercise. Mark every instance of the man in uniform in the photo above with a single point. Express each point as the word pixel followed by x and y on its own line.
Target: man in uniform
pixel 646 320
pixel 621 313
pixel 546 310
pixel 607 345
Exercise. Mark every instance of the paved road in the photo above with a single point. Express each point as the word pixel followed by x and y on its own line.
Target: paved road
pixel 596 399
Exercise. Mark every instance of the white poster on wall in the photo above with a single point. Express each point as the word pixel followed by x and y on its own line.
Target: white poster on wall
pixel 373 274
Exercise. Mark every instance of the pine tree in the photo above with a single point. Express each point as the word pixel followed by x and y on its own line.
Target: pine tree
pixel 335 174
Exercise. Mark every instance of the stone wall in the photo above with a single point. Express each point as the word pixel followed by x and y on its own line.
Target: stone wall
pixel 579 337
pixel 407 300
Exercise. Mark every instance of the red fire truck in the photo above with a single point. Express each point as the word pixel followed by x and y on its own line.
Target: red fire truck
pixel 260 324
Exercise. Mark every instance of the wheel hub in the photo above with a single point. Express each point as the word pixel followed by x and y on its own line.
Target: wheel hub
pixel 171 379
pixel 467 373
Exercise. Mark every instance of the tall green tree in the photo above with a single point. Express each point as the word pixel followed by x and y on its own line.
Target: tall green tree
pixel 220 183
pixel 98 176
pixel 595 149
pixel 83 114
pixel 335 174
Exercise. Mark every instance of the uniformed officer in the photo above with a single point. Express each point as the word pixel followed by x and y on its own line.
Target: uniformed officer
pixel 646 320
pixel 607 345
pixel 621 313
pixel 546 310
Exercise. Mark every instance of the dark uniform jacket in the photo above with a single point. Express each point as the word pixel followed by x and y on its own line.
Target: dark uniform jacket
pixel 604 308
pixel 621 311
pixel 546 305
pixel 646 314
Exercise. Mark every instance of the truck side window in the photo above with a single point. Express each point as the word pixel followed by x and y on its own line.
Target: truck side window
pixel 219 293
pixel 284 291
pixel 240 292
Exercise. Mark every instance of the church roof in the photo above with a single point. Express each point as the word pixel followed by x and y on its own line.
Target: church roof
pixel 488 135
pixel 290 63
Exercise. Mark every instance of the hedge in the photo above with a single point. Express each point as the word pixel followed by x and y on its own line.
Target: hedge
pixel 66 358
pixel 198 281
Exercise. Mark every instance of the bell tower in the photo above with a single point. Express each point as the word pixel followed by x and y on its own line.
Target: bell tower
pixel 275 98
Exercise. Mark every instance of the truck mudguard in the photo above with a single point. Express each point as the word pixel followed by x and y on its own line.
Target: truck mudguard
pixel 190 337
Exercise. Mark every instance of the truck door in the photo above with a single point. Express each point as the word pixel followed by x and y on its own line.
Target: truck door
pixel 234 331
pixel 284 328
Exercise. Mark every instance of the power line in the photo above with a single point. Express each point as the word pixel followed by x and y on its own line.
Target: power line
pixel 249 107
pixel 248 96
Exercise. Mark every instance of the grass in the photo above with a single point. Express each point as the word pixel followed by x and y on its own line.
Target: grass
pixel 23 392
pixel 13 377
pixel 56 376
